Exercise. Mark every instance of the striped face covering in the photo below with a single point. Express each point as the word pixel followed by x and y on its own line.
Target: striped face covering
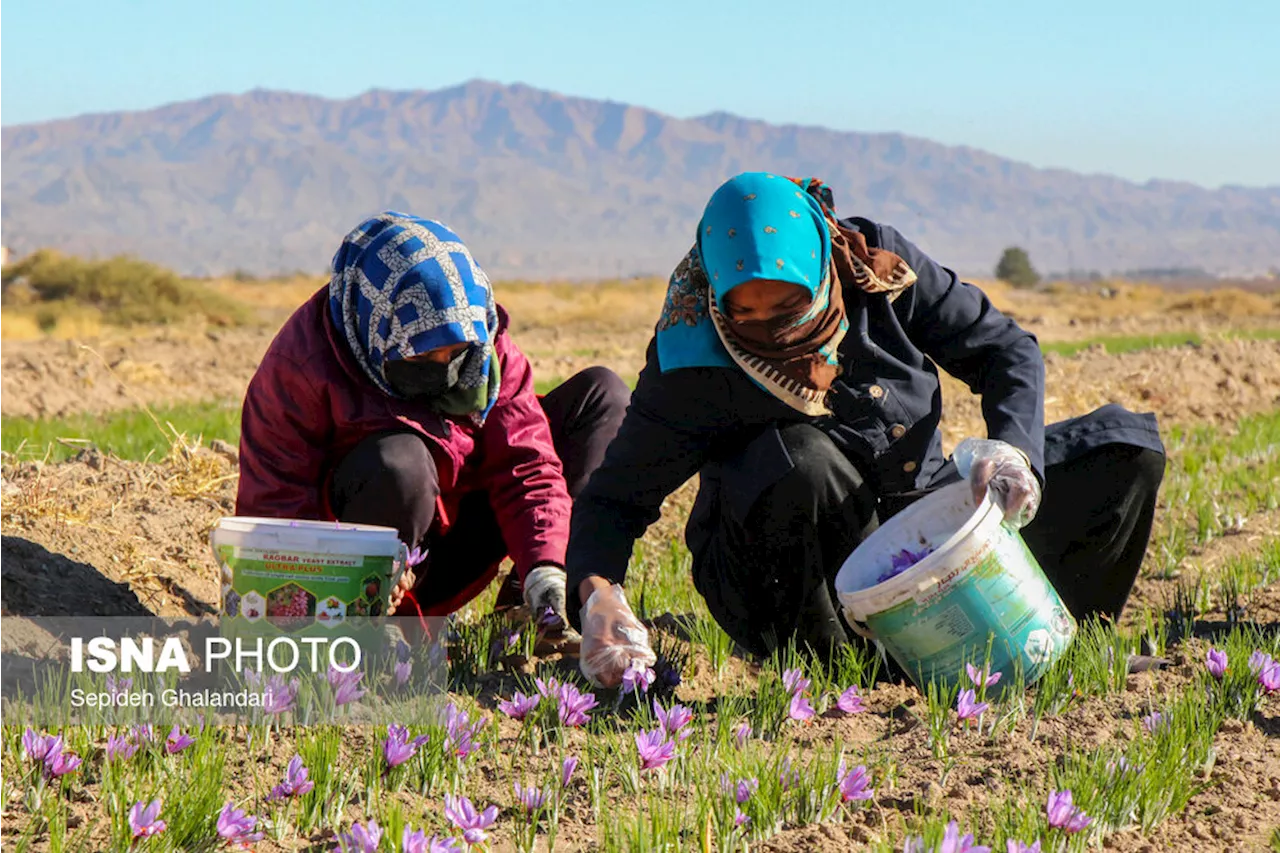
pixel 402 286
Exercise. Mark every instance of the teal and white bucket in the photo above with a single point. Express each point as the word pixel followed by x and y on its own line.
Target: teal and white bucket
pixel 980 586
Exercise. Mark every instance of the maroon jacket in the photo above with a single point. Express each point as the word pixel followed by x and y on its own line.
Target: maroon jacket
pixel 310 403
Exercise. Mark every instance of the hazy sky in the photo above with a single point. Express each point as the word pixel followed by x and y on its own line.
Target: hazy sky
pixel 1174 89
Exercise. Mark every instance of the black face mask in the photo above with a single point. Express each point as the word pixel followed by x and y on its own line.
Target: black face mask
pixel 424 378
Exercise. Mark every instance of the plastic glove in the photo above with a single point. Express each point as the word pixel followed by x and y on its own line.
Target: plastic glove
pixel 612 638
pixel 544 588
pixel 1004 471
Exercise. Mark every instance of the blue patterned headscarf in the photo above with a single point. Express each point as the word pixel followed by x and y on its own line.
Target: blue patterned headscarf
pixel 758 226
pixel 402 286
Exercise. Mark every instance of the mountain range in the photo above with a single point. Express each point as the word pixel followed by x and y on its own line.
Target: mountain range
pixel 541 185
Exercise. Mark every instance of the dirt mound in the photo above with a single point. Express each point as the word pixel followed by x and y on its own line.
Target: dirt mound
pixel 37 582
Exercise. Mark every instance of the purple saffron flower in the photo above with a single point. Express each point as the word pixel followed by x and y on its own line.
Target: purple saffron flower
pixel 741 734
pixel 1012 846
pixel 980 678
pixel 954 842
pixel 279 695
pixel 574 705
pixel 549 619
pixel 462 814
pixel 361 839
pixel 800 709
pixel 787 777
pixel 566 770
pixel 548 689
pixel 519 706
pixel 743 790
pixel 1259 661
pixel 416 556
pixel 177 741
pixel 1063 814
pixel 61 763
pixel 346 686
pixel 40 747
pixel 654 749
pixel 399 747
pixel 673 722
pixel 1215 660
pixel 638 678
pixel 741 820
pixel 531 798
pixel 403 670
pixel 418 842
pixel 1269 677
pixel 295 782
pixel 120 746
pixel 1153 721
pixel 460 732
pixel 236 827
pixel 117 687
pixel 854 784
pixel 144 733
pixel 794 681
pixel 850 701
pixel 145 820
pixel 968 707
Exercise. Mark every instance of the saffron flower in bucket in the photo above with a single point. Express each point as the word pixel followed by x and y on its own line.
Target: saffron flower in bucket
pixel 673 721
pixel 295 782
pixel 574 705
pixel 850 701
pixel 980 678
pixel 1063 814
pixel 519 706
pixel 144 821
pixel 566 771
pixel 361 839
pixel 236 827
pixel 1215 660
pixel 654 749
pixel 854 785
pixel 968 707
pixel 462 814
pixel 638 678
pixel 177 741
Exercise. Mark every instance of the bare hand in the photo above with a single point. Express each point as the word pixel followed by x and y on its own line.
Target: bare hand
pixel 406 582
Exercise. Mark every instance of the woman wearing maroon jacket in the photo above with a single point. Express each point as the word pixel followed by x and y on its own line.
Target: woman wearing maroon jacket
pixel 396 397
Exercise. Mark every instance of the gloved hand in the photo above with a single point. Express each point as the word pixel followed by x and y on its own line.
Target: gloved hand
pixel 1005 471
pixel 612 638
pixel 543 588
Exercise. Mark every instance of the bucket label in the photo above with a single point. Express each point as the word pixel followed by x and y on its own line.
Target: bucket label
pixel 300 592
pixel 1000 591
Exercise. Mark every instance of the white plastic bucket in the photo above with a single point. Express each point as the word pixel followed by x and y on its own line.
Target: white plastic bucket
pixel 304 576
pixel 980 586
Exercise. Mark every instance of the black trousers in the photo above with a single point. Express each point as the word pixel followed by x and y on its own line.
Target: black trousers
pixel 390 479
pixel 769 577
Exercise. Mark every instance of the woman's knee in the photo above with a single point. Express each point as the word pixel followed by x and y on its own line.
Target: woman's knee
pixel 390 467
pixel 600 389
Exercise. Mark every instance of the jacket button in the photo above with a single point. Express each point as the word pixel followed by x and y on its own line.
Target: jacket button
pixel 876 391
pixel 897 430
pixel 909 467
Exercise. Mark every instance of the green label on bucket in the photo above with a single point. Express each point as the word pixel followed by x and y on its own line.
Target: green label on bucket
pixel 299 592
pixel 1001 593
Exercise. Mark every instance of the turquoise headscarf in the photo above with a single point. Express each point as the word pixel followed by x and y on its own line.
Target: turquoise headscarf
pixel 756 226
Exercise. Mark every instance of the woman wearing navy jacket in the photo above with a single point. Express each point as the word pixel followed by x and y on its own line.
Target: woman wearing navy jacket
pixel 793 368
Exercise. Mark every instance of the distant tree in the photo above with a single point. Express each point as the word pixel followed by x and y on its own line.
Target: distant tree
pixel 1015 268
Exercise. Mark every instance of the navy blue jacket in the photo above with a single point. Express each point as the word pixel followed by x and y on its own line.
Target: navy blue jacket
pixel 886 406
